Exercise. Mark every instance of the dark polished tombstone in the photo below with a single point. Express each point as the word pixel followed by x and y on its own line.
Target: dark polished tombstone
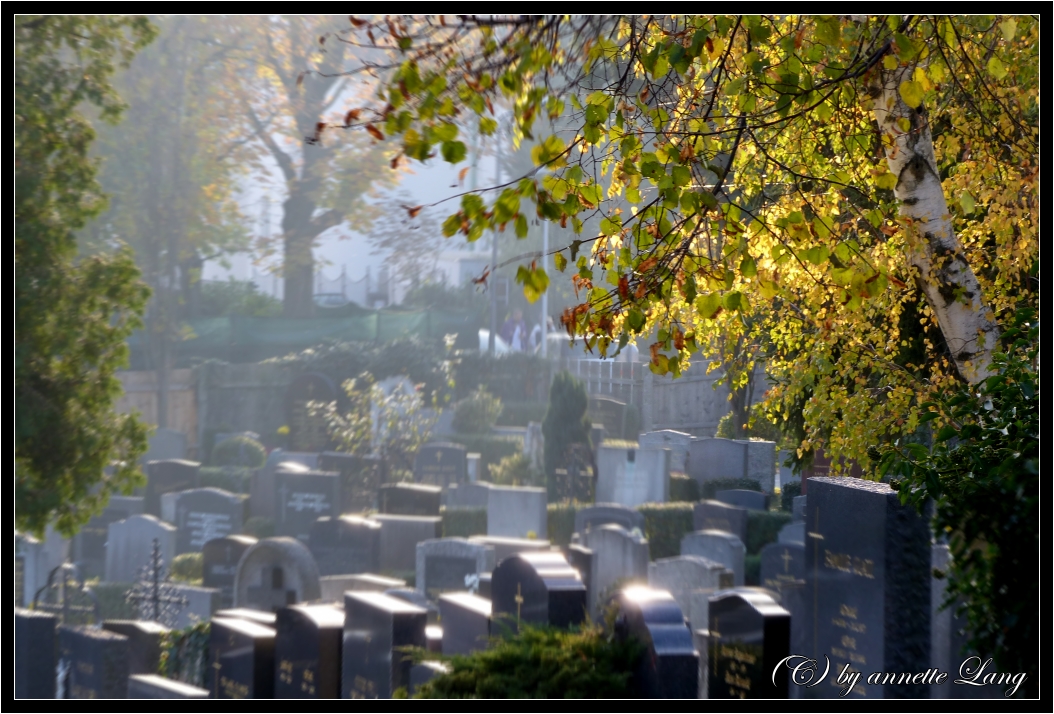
pixel 220 564
pixel 466 623
pixel 152 686
pixel 669 668
pixel 592 517
pixel 719 516
pixel 485 581
pixel 538 588
pixel 307 649
pixel 34 654
pixel 204 514
pixel 96 663
pixel 308 432
pixel 867 564
pixel 751 500
pixel 167 477
pixel 441 464
pixel 360 477
pixel 410 499
pixel 783 572
pixel 345 545
pixel 416 597
pixel 144 643
pixel 376 627
pixel 581 559
pixel 749 638
pixel 450 565
pixel 241 654
pixel 302 498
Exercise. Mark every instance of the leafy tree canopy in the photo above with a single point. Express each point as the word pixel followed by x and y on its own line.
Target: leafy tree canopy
pixel 71 318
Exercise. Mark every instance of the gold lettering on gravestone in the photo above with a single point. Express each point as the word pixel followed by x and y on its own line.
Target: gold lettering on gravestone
pixel 864 567
pixel 85 668
pixel 308 685
pixel 285 672
pixel 233 689
pixel 363 689
pixel 80 692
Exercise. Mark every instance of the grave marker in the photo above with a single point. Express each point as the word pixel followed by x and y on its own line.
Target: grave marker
pixel 274 573
pixel 601 513
pixel 618 556
pixel 303 498
pixel 514 512
pixel 241 654
pixel 466 623
pixel 749 638
pixel 720 516
pixel 718 546
pixel 410 499
pixel 220 558
pixel 34 654
pixel 167 477
pixel 376 626
pixel 450 564
pixel 152 686
pixel 345 545
pixel 538 588
pixel 629 475
pixel 690 579
pixel 144 643
pixel 669 668
pixel 95 662
pixel 677 442
pixel 130 546
pixel 204 514
pixel 308 644
pixel 751 500
pixel 441 464
pixel 400 536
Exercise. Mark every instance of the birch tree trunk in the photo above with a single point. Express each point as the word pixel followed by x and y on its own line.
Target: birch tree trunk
pixel 950 286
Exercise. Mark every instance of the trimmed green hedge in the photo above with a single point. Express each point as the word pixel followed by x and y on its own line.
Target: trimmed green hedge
pixel 236 479
pixel 683 488
pixel 763 527
pixel 788 492
pixel 710 488
pixel 665 524
pixel 239 451
pixel 463 522
pixel 752 570
pixel 492 448
pixel 561 523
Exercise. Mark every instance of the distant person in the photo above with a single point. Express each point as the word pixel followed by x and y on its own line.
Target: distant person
pixel 537 335
pixel 513 326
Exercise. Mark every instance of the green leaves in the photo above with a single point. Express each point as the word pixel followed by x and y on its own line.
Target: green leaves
pixel 551 152
pixel 911 92
pixel 534 281
pixel 707 306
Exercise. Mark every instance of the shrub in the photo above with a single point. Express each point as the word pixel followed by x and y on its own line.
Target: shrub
pixel 236 479
pixel 752 570
pixel 258 527
pixel 185 654
pixel 710 488
pixel 463 522
pixel 113 604
pixel 683 488
pixel 188 568
pixel 514 470
pixel 239 451
pixel 788 492
pixel 565 424
pixel 561 519
pixel 665 524
pixel 477 413
pixel 492 448
pixel 763 527
pixel 521 413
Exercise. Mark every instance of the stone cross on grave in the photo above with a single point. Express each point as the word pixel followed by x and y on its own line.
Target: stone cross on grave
pixel 153 595
pixel 786 558
pixel 276 596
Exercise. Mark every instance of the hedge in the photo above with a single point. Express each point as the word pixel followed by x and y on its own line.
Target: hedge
pixel 561 523
pixel 710 488
pixel 752 570
pixel 665 525
pixel 236 479
pixel 522 413
pixel 763 527
pixel 683 488
pixel 463 522
pixel 788 492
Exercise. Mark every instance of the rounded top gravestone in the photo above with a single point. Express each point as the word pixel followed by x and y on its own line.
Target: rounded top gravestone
pixel 276 572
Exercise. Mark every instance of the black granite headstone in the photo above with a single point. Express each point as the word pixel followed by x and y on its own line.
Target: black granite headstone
pixel 749 637
pixel 441 464
pixel 166 477
pixel 303 498
pixel 204 514
pixel 752 500
pixel 144 643
pixel 360 477
pixel 867 560
pixel 152 686
pixel 581 559
pixel 34 654
pixel 783 572
pixel 719 516
pixel 538 588
pixel 95 661
pixel 308 432
pixel 466 623
pixel 485 581
pixel 307 651
pixel 410 499
pixel 669 668
pixel 220 563
pixel 345 545
pixel 241 654
pixel 376 627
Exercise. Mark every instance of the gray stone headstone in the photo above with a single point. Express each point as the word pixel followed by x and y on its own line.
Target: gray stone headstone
pixel 153 686
pixel 202 602
pixel 303 498
pixel 751 500
pixel 619 556
pixel 220 559
pixel 88 547
pixel 669 668
pixel 798 508
pixel 691 580
pixel 720 516
pixel 168 476
pixel 715 458
pixel 761 463
pixel 144 643
pixel 450 565
pixel 466 623
pixel 677 442
pixel 792 533
pixel 749 639
pixel 537 588
pixel 867 561
pixel 31 569
pixel 307 651
pixel 130 544
pixel 274 573
pixel 410 499
pixel 376 629
pixel 345 545
pixel 399 538
pixel 166 444
pixel 598 514
pixel 95 662
pixel 630 475
pixel 34 654
pixel 241 655
pixel 204 514
pixel 468 495
pixel 441 464
pixel 333 587
pixel 507 547
pixel 718 546
pixel 263 490
pixel 517 512
pixel 416 597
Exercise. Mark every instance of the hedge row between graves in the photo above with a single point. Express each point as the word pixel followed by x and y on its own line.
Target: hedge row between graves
pixel 665 524
pixel 763 527
pixel 710 488
pixel 683 488
pixel 788 492
pixel 561 523
pixel 463 522
pixel 236 479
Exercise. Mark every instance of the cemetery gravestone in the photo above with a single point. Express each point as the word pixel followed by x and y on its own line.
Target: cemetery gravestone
pixel 716 458
pixel 867 560
pixel 130 546
pixel 677 442
pixel 333 587
pixel 410 499
pixel 241 654
pixel 690 579
pixel 468 495
pixel 517 512
pixel 144 643
pixel 89 545
pixel 441 464
pixel 792 533
pixel 718 516
pixel 507 547
pixel 345 545
pixel 450 564
pixel 751 500
pixel 581 559
pixel 721 547
pixel 167 477
pixel 630 475
pixel 749 638
pixel 308 644
pixel 152 686
pixel 416 597
pixel 34 654
pixel 618 556
pixel 95 661
pixel 400 536
pixel 303 498
pixel 204 514
pixel 263 495
pixel 761 463
pixel 610 413
pixel 200 605
pixel 274 573
pixel 376 627
pixel 783 572
pixel 669 668
pixel 166 444
pixel 601 513
pixel 31 571
pixel 309 432
pixel 538 588
pixel 798 509
pixel 260 617
pixel 466 623
pixel 220 558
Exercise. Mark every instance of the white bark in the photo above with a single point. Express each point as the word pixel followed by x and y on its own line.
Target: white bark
pixel 950 286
